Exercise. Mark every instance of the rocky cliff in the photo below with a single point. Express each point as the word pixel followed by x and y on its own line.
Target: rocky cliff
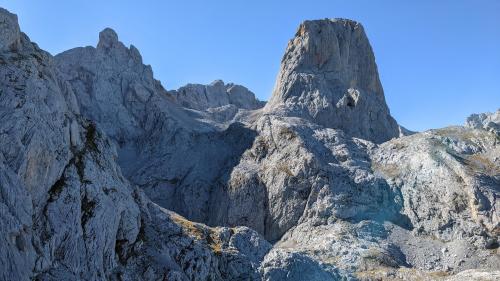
pixel 105 175
pixel 217 94
pixel 67 212
pixel 328 75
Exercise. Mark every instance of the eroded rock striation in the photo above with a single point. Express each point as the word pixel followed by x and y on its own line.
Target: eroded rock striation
pixel 105 175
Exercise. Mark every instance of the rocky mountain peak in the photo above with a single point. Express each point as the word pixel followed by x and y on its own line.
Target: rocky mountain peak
pixel 107 38
pixel 97 159
pixel 328 74
pixel 9 31
pixel 216 94
pixel 489 121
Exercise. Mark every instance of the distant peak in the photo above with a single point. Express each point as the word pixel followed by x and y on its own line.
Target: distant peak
pixel 107 38
pixel 217 82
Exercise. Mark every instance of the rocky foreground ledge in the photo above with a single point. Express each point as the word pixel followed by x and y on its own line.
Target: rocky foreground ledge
pixel 105 175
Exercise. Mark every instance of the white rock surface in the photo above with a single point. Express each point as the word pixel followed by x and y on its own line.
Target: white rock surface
pixel 487 121
pixel 328 74
pixel 95 157
pixel 10 35
pixel 217 94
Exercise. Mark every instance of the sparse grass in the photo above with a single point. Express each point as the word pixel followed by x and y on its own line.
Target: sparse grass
pixel 456 132
pixel 189 227
pixel 468 135
pixel 481 163
pixel 199 232
pixel 284 168
pixel 391 274
pixel 388 170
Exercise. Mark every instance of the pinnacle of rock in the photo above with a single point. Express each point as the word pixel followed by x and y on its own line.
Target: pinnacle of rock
pixel 9 31
pixel 107 38
pixel 328 74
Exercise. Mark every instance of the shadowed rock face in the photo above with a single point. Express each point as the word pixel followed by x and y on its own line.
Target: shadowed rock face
pixel 328 75
pixel 66 210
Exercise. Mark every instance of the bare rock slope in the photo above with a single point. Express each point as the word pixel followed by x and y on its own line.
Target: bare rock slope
pixel 67 212
pixel 98 162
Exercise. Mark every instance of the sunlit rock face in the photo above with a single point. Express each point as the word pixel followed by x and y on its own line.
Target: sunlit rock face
pixel 488 121
pixel 97 161
pixel 328 75
pixel 217 94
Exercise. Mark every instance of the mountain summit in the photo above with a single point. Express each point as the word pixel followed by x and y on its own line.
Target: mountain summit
pixel 328 74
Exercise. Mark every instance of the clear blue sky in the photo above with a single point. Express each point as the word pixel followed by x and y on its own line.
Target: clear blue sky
pixel 439 61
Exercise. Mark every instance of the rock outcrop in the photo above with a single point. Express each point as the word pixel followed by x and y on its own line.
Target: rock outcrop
pixel 217 94
pixel 487 121
pixel 328 75
pixel 97 161
pixel 154 134
pixel 10 35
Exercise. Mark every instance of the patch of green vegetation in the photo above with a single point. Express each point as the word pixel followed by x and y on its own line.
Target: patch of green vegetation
pixel 199 233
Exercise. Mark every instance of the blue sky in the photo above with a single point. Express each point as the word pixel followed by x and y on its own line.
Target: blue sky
pixel 439 61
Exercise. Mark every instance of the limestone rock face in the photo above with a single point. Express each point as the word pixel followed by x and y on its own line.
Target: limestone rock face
pixel 68 213
pixel 10 35
pixel 153 133
pixel 487 121
pixel 414 226
pixel 217 94
pixel 296 171
pixel 116 90
pixel 98 162
pixel 328 75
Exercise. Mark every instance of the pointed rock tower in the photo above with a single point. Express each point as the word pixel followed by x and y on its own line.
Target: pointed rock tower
pixel 328 75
